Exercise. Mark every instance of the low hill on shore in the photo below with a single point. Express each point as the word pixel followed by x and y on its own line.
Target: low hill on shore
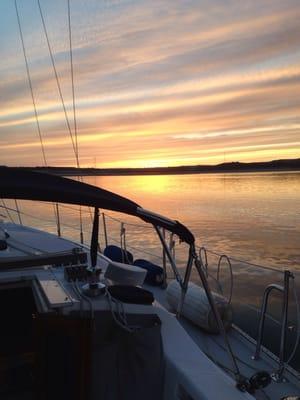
pixel 275 165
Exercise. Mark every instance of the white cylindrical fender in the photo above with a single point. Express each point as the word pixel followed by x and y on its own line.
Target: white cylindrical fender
pixel 196 307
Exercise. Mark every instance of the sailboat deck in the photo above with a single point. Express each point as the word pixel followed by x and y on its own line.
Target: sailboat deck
pixel 192 357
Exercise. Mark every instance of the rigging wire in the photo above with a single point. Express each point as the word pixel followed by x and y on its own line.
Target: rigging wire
pixel 72 81
pixel 56 211
pixel 30 83
pixel 56 76
pixel 243 261
pixel 74 142
pixel 74 112
pixel 7 210
pixel 35 217
pixel 16 203
pixel 18 212
pixel 145 226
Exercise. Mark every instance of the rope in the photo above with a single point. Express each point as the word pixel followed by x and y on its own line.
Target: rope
pixel 119 316
pixel 79 296
pixel 87 299
pixel 229 370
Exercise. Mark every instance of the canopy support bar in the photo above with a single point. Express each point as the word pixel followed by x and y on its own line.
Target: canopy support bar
pixel 241 382
pixel 169 255
pixel 186 280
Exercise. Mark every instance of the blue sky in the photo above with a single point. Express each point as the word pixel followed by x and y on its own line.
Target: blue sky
pixel 157 83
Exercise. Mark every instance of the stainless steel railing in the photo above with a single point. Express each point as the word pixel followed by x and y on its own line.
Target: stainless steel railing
pixel 277 375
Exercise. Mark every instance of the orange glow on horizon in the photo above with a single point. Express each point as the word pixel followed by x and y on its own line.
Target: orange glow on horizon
pixel 223 86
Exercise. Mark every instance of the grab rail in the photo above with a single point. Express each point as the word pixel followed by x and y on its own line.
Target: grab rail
pixel 277 375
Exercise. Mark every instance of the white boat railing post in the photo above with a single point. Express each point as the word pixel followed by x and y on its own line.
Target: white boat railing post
pixel 277 375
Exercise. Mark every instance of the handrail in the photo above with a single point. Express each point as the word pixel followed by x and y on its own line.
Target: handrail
pixel 277 375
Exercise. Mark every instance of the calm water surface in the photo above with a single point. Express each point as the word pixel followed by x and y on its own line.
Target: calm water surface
pixel 255 216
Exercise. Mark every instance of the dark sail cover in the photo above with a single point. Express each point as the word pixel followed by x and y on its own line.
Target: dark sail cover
pixel 16 183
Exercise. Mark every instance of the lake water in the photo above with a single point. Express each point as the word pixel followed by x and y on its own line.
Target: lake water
pixel 254 216
pixel 249 216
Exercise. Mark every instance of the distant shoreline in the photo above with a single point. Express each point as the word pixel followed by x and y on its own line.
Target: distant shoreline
pixel 269 166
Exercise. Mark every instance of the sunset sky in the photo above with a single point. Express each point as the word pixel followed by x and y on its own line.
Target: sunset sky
pixel 157 83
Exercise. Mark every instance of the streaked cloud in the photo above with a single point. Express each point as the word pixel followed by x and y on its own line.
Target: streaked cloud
pixel 156 83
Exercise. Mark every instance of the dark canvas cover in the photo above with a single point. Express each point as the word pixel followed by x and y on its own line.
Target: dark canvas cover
pixel 128 365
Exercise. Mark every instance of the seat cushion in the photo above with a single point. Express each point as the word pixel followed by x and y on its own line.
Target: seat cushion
pixel 131 294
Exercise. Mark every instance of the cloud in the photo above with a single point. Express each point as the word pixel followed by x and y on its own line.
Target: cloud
pixel 170 79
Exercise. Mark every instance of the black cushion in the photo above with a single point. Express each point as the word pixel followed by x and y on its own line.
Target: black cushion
pixel 117 254
pixel 131 294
